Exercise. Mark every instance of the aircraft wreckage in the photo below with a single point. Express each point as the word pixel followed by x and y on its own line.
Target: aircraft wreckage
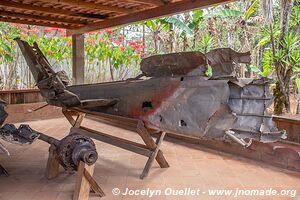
pixel 173 94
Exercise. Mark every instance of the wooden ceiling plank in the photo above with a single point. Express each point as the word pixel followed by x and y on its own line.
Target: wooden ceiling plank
pixel 45 10
pixel 168 9
pixel 21 21
pixel 152 2
pixel 49 19
pixel 90 5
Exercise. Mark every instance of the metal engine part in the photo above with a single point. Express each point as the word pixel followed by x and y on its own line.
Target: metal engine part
pixel 70 150
pixel 22 135
pixel 75 148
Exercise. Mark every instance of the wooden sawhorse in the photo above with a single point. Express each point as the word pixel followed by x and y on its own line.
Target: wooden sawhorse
pixel 3 171
pixel 150 149
pixel 84 180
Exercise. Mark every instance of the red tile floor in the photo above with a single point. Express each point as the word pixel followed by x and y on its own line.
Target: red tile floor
pixel 192 166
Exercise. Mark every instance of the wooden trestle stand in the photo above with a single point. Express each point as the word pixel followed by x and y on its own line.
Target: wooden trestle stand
pixel 3 171
pixel 84 180
pixel 150 149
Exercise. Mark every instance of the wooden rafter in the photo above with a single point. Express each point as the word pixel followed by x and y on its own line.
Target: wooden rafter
pixel 81 16
pixel 40 23
pixel 45 10
pixel 90 5
pixel 43 18
pixel 171 8
pixel 152 2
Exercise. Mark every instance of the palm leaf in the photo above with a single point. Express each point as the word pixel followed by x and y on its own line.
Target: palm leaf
pixel 178 24
pixel 251 9
pixel 227 13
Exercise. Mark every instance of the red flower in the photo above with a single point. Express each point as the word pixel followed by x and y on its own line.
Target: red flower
pixel 17 25
pixel 34 30
pixel 91 41
pixel 23 35
pixel 120 37
pixel 111 39
pixel 131 43
pixel 103 41
pixel 69 43
pixel 59 30
pixel 118 42
pixel 109 31
pixel 47 30
pixel 51 52
pixel 139 42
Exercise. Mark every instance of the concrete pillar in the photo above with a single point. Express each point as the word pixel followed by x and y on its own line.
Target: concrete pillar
pixel 78 59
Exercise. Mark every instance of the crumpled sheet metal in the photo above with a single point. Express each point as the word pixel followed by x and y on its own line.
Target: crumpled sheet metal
pixel 196 108
pixel 51 84
pixel 223 62
pixel 250 103
pixel 174 64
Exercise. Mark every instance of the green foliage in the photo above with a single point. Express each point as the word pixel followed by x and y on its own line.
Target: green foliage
pixel 197 18
pixel 268 63
pixel 209 71
pixel 298 85
pixel 227 13
pixel 251 9
pixel 206 44
pixel 7 34
pixel 179 24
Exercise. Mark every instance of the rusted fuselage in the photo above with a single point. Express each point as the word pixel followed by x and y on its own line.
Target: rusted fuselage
pixel 173 94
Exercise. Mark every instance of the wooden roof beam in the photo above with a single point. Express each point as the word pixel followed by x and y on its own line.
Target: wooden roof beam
pixel 22 21
pixel 90 5
pixel 153 2
pixel 168 9
pixel 45 10
pixel 43 18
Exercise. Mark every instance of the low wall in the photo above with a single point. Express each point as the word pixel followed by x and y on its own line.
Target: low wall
pixel 278 154
pixel 291 125
pixel 24 112
pixel 22 103
pixel 21 96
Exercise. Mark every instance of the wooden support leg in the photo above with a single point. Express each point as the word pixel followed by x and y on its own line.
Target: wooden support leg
pixel 3 171
pixel 85 182
pixel 74 122
pixel 153 156
pixel 142 131
pixel 52 169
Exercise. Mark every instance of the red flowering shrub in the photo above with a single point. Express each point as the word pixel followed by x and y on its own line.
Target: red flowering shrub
pixel 109 31
pixel 47 30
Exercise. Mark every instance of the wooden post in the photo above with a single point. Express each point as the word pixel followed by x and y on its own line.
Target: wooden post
pixel 76 123
pixel 153 156
pixel 78 59
pixel 145 135
pixel 3 171
pixel 52 169
pixel 85 182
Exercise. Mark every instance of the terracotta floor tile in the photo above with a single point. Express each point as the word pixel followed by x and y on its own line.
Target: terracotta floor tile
pixel 190 166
